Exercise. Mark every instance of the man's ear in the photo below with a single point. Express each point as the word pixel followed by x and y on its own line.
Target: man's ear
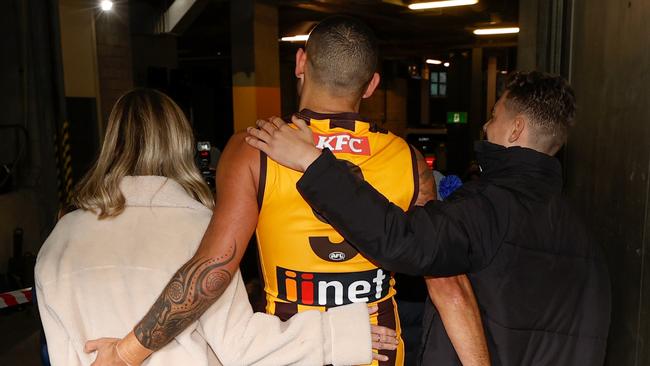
pixel 301 61
pixel 372 86
pixel 518 127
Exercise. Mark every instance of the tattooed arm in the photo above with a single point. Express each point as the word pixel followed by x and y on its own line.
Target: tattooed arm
pixel 453 296
pixel 200 282
pixel 190 292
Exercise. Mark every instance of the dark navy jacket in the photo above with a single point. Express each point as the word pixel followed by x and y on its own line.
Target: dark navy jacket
pixel 540 281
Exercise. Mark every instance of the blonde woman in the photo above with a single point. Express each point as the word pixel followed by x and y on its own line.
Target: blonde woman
pixel 143 209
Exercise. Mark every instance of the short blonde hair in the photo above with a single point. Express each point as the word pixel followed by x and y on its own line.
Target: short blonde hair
pixel 147 134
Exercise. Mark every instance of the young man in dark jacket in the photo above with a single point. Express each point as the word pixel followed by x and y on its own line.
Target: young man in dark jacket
pixel 540 281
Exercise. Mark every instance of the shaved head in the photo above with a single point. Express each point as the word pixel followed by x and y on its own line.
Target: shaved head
pixel 342 55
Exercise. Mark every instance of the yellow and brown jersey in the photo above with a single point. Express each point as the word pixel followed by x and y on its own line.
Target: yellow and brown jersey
pixel 305 262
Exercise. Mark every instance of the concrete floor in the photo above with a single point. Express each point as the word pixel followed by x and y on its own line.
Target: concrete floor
pixel 20 337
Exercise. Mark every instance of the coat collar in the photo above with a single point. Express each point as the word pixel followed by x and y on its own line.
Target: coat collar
pixel 156 191
pixel 507 165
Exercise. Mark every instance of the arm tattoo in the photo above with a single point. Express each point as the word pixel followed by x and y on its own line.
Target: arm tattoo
pixel 196 286
pixel 427 183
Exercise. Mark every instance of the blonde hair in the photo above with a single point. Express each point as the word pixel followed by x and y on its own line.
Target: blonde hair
pixel 147 134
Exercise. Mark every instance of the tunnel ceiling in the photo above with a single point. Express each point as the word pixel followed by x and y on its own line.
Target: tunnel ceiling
pixel 402 32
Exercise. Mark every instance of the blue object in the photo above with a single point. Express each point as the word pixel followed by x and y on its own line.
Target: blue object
pixel 449 185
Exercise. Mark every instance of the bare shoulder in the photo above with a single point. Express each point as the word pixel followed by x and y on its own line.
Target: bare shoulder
pixel 427 183
pixel 239 157
pixel 237 145
pixel 418 156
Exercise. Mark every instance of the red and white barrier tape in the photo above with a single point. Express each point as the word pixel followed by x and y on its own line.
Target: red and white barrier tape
pixel 14 298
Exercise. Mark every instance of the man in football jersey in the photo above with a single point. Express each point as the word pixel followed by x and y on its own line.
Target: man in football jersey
pixel 305 263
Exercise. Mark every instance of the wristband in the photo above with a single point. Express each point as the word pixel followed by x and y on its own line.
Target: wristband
pixel 119 355
pixel 130 351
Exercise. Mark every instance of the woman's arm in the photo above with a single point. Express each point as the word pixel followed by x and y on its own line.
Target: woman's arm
pixel 340 336
pixel 60 348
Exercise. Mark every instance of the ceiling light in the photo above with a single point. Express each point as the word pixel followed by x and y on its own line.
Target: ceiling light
pixel 106 5
pixel 298 38
pixel 441 4
pixel 446 64
pixel 433 62
pixel 491 31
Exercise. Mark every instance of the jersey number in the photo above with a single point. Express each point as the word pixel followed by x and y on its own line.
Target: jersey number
pixel 323 247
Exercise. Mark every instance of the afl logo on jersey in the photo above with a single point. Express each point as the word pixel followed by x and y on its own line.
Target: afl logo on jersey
pixel 343 143
pixel 331 252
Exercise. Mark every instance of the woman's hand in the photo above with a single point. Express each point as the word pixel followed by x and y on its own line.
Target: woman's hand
pixel 382 338
pixel 118 352
pixel 107 353
pixel 290 146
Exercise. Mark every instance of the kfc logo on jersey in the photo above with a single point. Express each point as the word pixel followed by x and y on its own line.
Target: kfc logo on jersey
pixel 332 289
pixel 343 143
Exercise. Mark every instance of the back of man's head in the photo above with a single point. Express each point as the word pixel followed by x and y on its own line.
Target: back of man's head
pixel 342 55
pixel 549 103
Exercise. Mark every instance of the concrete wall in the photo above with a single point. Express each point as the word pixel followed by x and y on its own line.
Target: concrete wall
pixel 114 62
pixel 608 157
pixel 256 91
pixel 544 40
pixel 78 48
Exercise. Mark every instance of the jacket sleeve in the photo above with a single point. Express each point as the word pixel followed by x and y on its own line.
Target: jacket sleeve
pixel 60 348
pixel 340 336
pixel 439 239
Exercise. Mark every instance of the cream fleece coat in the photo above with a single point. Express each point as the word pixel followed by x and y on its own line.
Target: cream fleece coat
pixel 97 278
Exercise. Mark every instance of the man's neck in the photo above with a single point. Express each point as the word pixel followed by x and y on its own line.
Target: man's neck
pixel 327 104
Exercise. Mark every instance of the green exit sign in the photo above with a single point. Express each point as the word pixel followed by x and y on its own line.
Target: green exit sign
pixel 456 117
